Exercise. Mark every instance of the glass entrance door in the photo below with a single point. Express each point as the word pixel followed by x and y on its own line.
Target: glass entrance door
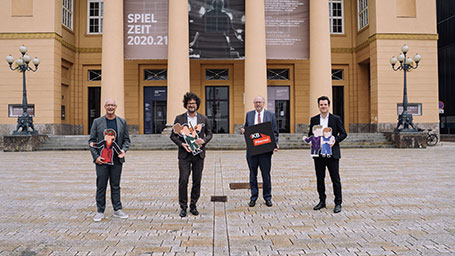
pixel 94 105
pixel 154 109
pixel 217 108
pixel 279 103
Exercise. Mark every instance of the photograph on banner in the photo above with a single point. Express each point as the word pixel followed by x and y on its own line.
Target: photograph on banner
pixel 287 29
pixel 145 29
pixel 216 29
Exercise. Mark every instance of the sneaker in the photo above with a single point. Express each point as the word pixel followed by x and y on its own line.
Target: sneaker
pixel 120 214
pixel 98 216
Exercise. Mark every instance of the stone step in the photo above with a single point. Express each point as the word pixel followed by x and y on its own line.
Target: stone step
pixel 219 142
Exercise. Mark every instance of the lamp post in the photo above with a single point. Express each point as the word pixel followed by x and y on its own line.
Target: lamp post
pixel 24 121
pixel 406 64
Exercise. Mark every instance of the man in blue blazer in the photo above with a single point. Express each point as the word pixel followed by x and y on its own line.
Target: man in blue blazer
pixel 264 161
pixel 107 170
pixel 332 163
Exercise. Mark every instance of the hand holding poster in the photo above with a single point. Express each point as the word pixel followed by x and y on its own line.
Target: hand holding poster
pixel 259 139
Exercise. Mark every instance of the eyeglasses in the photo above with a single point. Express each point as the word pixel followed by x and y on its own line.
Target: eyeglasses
pixel 191 103
pixel 257 102
pixel 110 105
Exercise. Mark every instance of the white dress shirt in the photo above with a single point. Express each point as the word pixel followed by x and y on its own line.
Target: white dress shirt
pixel 324 121
pixel 256 117
pixel 192 120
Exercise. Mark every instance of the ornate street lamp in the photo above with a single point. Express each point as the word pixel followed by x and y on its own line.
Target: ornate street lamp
pixel 406 64
pixel 25 121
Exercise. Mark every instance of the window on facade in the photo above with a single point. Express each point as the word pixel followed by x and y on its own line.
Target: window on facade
pixel 94 74
pixel 337 74
pixel 278 74
pixel 155 74
pixel 217 74
pixel 362 8
pixel 95 16
pixel 67 15
pixel 336 16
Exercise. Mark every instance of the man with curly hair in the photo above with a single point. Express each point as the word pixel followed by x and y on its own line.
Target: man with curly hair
pixel 190 161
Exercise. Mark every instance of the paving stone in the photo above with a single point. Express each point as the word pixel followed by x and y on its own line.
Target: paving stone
pixel 396 202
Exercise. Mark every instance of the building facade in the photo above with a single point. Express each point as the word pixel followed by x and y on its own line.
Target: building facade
pixel 84 60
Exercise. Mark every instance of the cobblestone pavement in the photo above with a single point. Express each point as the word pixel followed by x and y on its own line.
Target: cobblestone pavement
pixel 396 202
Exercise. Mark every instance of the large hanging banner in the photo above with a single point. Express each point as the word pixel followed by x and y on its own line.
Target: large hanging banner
pixel 145 29
pixel 287 29
pixel 217 29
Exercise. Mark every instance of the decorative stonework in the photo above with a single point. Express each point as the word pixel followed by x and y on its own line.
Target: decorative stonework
pixel 408 139
pixel 301 128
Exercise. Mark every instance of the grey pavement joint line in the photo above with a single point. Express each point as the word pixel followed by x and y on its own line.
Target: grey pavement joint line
pixel 224 207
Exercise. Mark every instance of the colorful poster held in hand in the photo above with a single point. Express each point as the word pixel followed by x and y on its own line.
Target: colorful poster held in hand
pixel 190 135
pixel 108 146
pixel 314 140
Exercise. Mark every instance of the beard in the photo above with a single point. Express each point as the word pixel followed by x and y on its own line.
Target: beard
pixel 192 110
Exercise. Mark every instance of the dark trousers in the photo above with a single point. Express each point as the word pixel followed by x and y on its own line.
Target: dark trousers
pixel 105 172
pixel 263 161
pixel 193 164
pixel 332 164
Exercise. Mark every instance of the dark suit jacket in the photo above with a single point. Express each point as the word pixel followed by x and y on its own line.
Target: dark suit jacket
pixel 268 117
pixel 338 132
pixel 97 135
pixel 205 134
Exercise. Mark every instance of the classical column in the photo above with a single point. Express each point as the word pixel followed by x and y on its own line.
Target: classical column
pixel 112 82
pixel 320 62
pixel 255 55
pixel 178 63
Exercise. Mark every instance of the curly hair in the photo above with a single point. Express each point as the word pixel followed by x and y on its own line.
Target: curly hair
pixel 191 96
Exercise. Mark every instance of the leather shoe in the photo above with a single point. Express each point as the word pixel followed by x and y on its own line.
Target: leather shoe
pixel 252 203
pixel 337 208
pixel 268 203
pixel 183 213
pixel 194 211
pixel 319 206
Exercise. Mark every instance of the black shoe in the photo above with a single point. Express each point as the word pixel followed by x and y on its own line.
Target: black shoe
pixel 194 211
pixel 268 203
pixel 319 206
pixel 337 208
pixel 252 203
pixel 183 213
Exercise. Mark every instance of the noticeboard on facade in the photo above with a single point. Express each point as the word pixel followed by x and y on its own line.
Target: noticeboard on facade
pixel 216 29
pixel 413 108
pixel 16 110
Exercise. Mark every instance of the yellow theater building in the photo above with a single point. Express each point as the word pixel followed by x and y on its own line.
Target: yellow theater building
pixel 147 54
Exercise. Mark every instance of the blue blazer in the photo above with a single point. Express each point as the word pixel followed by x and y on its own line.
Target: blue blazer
pixel 268 117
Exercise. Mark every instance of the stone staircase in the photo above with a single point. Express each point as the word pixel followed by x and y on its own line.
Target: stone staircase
pixel 218 142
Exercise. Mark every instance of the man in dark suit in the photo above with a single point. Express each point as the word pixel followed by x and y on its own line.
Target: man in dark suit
pixel 106 169
pixel 332 163
pixel 189 162
pixel 264 161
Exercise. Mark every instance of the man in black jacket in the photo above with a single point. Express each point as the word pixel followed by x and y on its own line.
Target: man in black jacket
pixel 332 163
pixel 190 160
pixel 109 169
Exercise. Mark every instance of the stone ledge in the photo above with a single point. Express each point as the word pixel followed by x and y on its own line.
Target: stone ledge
pixel 20 143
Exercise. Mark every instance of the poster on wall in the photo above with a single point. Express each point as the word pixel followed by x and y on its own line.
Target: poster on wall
pixel 287 29
pixel 216 29
pixel 145 29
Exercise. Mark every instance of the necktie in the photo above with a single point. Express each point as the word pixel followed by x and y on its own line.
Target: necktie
pixel 259 118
